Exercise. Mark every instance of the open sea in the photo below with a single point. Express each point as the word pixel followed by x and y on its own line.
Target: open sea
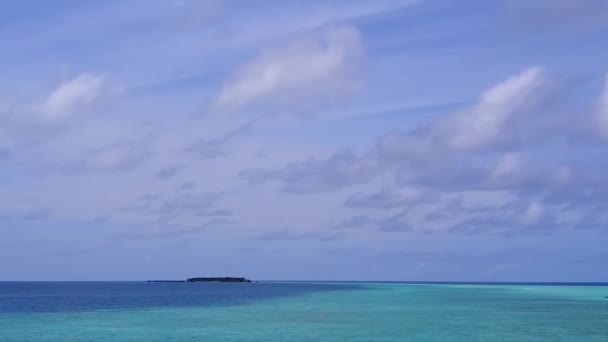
pixel 301 311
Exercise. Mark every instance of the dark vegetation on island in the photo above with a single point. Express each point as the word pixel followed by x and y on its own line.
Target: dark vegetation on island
pixel 220 279
pixel 206 279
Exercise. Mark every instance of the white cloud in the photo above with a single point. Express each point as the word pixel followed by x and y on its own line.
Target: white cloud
pixel 322 66
pixel 31 123
pixel 315 67
pixel 494 121
pixel 78 93
pixel 426 154
pixel 491 120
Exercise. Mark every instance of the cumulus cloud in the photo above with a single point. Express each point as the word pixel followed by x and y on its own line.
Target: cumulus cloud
pixel 477 149
pixel 491 121
pixel 427 153
pixel 496 121
pixel 316 67
pixel 481 152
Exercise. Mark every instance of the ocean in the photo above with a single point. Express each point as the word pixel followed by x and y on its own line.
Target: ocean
pixel 301 311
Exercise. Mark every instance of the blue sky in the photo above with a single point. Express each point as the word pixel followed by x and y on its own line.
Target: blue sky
pixel 353 140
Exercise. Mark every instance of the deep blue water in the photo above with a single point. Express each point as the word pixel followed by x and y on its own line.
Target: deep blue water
pixel 302 311
pixel 24 297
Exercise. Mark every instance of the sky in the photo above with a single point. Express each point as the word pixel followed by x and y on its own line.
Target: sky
pixel 403 140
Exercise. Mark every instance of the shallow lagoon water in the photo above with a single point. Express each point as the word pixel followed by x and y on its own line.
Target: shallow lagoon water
pixel 301 312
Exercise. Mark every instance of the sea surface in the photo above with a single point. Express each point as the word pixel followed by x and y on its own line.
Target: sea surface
pixel 301 311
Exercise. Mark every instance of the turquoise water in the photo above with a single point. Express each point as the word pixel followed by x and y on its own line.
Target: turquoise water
pixel 363 312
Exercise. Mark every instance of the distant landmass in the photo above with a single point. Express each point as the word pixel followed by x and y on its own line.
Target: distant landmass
pixel 206 279
pixel 220 279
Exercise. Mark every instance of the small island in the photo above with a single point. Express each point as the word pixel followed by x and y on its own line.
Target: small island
pixel 206 279
pixel 219 279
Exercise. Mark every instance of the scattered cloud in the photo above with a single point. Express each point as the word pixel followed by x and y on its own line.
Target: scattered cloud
pixel 515 217
pixel 179 205
pixel 77 94
pixel 397 223
pixel 484 150
pixel 332 174
pixel 317 67
pixel 183 213
pixel 492 123
pixel 408 149
pixel 28 123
